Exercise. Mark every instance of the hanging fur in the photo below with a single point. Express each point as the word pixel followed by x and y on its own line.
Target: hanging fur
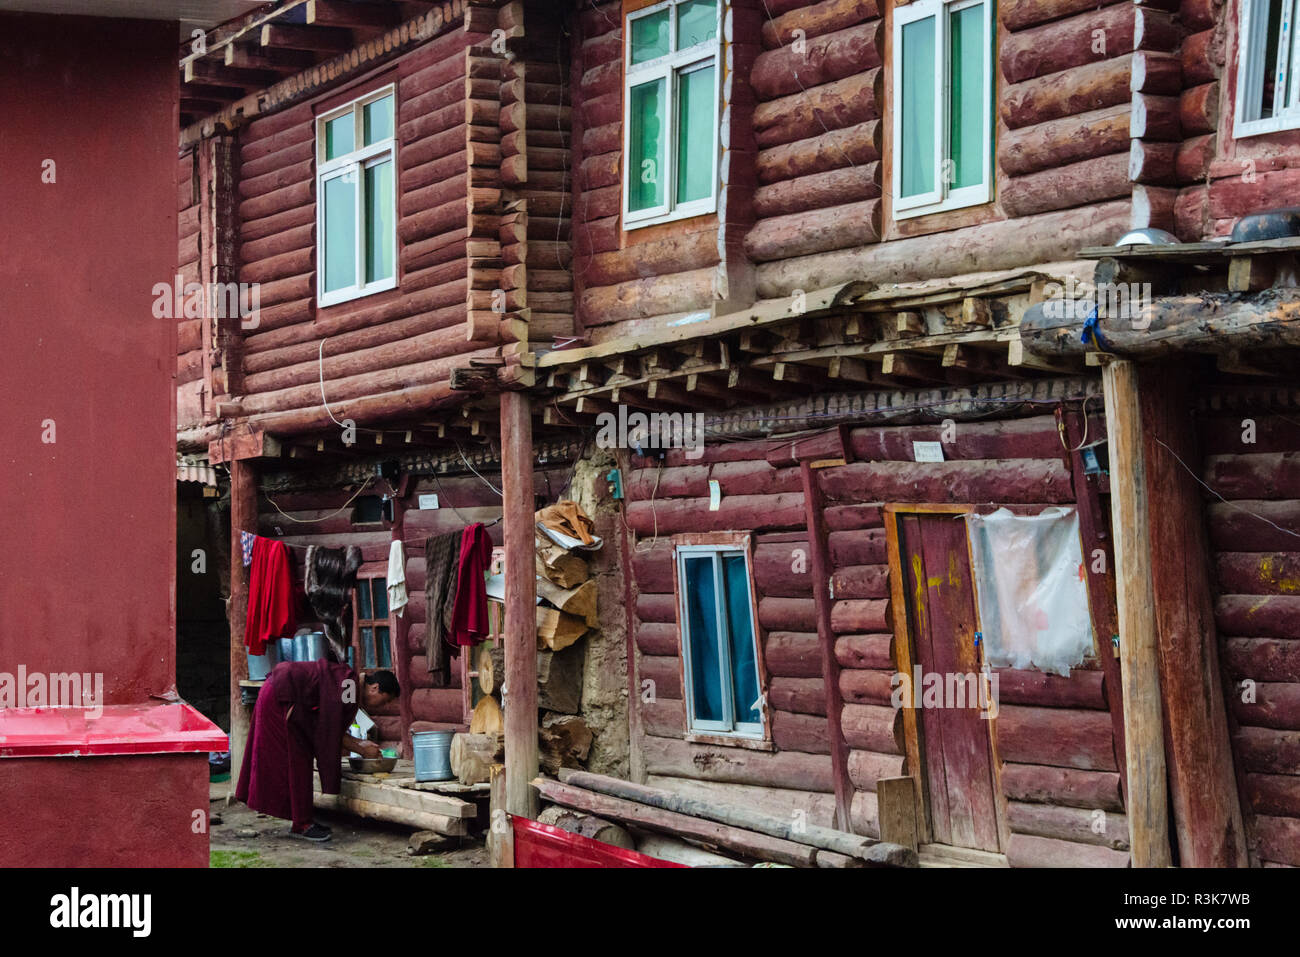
pixel 330 579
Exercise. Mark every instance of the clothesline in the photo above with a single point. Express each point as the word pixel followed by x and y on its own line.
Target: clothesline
pixel 409 546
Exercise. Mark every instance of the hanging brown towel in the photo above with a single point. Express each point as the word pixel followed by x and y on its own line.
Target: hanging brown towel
pixel 441 553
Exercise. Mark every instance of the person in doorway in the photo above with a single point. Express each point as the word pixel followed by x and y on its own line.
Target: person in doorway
pixel 303 712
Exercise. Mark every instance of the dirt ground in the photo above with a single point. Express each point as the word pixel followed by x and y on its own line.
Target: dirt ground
pixel 241 837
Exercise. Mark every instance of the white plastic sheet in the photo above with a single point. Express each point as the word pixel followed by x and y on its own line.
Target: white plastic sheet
pixel 1030 588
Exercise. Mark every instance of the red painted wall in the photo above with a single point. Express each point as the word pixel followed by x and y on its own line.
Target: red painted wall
pixel 136 811
pixel 86 579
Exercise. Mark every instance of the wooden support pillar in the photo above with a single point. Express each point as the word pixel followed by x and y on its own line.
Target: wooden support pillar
pixel 243 518
pixel 1148 811
pixel 401 650
pixel 821 575
pixel 1203 787
pixel 521 602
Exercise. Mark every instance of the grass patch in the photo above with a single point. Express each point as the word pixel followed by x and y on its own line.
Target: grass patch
pixel 433 860
pixel 236 859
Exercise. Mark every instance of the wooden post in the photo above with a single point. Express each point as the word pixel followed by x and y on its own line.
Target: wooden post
pixel 501 833
pixel 243 518
pixel 1148 811
pixel 1203 787
pixel 897 802
pixel 821 576
pixel 521 602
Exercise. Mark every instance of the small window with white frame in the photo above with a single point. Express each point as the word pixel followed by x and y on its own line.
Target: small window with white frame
pixel 670 121
pixel 356 204
pixel 719 641
pixel 1268 96
pixel 943 105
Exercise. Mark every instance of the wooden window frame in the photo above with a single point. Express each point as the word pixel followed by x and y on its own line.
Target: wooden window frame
pixel 355 163
pixel 941 199
pixel 358 648
pixel 1252 38
pixel 760 737
pixel 668 68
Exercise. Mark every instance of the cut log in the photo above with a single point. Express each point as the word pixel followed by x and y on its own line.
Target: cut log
pixel 1064 141
pixel 1019 14
pixel 838 841
pixel 821 59
pixel 487 717
pixel 587 825
pixel 831 106
pixel 1170 324
pixel 1152 163
pixel 799 234
pixel 853 146
pixel 1058 737
pixel 819 190
pixel 1198 109
pixel 472 756
pixel 816 19
pixel 1078 184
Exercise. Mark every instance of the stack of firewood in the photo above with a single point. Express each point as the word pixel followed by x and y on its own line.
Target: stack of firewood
pixel 565 614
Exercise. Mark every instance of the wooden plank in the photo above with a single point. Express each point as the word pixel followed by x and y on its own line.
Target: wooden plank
pixel 243 518
pixel 821 565
pixel 896 799
pixel 501 835
pixel 1148 811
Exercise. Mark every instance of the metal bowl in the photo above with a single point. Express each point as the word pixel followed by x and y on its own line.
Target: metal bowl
pixel 372 765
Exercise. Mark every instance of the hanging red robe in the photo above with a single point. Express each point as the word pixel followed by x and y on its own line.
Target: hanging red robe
pixel 272 602
pixel 300 716
pixel 469 615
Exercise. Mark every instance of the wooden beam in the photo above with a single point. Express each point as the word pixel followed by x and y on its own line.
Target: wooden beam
pixel 243 518
pixel 331 13
pixel 278 61
pixel 821 578
pixel 317 39
pixel 1207 809
pixel 1148 810
pixel 521 602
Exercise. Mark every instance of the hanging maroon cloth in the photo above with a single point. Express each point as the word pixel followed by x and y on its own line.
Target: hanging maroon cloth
pixel 301 716
pixel 272 599
pixel 469 615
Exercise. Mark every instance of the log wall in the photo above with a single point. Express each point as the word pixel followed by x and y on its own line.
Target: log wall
pixel 1220 178
pixel 1251 459
pixel 1059 774
pixel 189 333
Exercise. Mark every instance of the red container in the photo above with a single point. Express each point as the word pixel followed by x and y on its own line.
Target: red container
pixel 540 845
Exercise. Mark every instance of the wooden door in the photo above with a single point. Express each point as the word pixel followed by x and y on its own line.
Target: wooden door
pixel 955 741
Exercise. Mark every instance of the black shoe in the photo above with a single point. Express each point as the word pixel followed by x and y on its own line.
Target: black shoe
pixel 314 833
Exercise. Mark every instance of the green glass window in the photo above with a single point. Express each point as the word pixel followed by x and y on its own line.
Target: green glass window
pixel 379 120
pixel 650 37
pixel 671 98
pixel 340 199
pixel 697 22
pixel 943 108
pixel 696 143
pixel 966 109
pixel 918 103
pixel 646 153
pixel 379 221
pixel 706 660
pixel 740 631
pixel 340 136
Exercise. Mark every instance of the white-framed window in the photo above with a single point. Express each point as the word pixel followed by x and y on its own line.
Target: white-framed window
pixel 719 641
pixel 943 105
pixel 1268 96
pixel 671 94
pixel 356 199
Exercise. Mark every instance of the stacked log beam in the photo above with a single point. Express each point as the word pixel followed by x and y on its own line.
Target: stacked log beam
pixel 1257 567
pixel 393 352
pixel 1090 107
pixel 816 127
pixel 189 256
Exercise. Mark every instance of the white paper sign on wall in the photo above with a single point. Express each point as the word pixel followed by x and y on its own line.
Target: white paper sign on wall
pixel 428 501
pixel 927 451
pixel 715 495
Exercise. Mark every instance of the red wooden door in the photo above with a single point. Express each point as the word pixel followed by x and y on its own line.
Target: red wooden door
pixel 955 740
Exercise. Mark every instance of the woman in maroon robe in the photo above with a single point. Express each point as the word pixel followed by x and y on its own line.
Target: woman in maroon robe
pixel 303 712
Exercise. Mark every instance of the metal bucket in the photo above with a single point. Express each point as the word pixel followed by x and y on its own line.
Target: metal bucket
pixel 309 646
pixel 259 666
pixel 285 649
pixel 432 751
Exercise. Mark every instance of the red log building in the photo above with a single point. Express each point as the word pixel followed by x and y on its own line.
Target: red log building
pixel 842 232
